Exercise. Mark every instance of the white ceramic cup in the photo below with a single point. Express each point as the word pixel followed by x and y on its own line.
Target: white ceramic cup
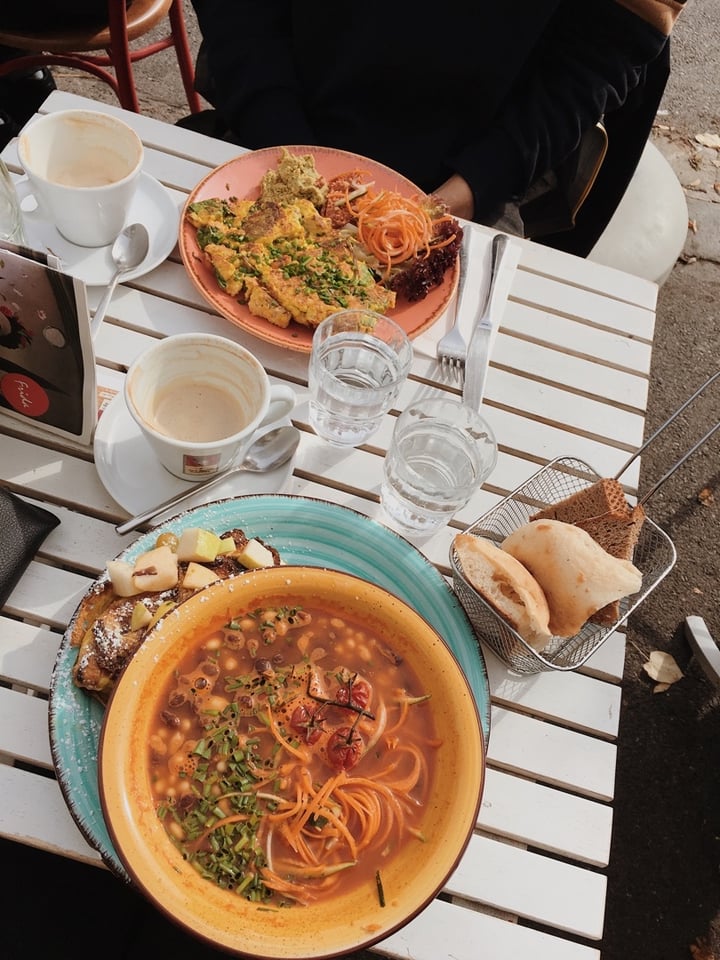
pixel 83 168
pixel 199 401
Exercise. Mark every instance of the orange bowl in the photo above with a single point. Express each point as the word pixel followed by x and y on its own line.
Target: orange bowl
pixel 346 921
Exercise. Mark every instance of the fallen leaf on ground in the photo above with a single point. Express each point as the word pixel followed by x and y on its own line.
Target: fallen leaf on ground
pixel 700 950
pixel 663 668
pixel 706 496
pixel 708 139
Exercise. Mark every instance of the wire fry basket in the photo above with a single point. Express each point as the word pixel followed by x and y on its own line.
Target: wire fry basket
pixel 654 556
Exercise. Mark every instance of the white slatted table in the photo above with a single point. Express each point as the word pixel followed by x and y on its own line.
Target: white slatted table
pixel 568 377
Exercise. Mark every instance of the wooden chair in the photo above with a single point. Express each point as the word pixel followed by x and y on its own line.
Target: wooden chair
pixel 73 48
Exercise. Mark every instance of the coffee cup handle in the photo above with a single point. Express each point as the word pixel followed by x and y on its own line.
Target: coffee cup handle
pixel 282 402
pixel 25 189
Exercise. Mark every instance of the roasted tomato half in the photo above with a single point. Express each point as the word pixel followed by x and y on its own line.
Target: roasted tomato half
pixel 345 748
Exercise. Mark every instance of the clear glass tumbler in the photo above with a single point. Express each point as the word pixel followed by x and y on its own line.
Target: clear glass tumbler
pixel 441 451
pixel 358 363
pixel 10 215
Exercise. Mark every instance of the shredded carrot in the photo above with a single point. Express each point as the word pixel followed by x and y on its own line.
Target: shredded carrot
pixel 395 229
pixel 419 767
pixel 219 824
pixel 316 803
pixel 296 891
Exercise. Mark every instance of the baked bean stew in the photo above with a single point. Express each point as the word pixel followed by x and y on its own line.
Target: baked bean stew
pixel 292 755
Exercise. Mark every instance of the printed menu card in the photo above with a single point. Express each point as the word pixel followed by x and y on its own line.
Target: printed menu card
pixel 47 364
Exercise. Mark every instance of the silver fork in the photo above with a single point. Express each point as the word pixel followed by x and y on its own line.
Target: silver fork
pixel 451 347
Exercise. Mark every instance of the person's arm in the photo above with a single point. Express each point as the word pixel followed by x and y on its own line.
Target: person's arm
pixel 250 61
pixel 592 55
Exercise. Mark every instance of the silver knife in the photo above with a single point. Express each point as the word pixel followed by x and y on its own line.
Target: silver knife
pixel 478 354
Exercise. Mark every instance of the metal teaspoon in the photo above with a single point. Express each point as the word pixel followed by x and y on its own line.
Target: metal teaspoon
pixel 128 251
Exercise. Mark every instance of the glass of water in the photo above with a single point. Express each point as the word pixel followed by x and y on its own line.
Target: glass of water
pixel 359 361
pixel 441 452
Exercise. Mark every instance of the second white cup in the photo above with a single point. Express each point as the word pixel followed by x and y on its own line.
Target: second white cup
pixel 199 400
pixel 82 167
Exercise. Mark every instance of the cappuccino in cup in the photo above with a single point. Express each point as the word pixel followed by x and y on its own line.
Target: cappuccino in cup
pixel 83 168
pixel 200 400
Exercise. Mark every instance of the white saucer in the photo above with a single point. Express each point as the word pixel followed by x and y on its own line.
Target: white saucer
pixel 151 205
pixel 134 477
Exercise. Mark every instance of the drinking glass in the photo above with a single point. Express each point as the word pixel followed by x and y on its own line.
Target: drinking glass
pixel 441 451
pixel 10 215
pixel 358 363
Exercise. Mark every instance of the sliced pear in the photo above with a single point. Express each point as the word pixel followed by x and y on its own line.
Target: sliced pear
pixel 156 570
pixel 197 576
pixel 121 578
pixel 255 555
pixel 198 545
pixel 140 617
pixel 165 607
pixel 227 545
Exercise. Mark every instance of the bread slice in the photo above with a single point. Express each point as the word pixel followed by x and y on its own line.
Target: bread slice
pixel 507 586
pixel 603 511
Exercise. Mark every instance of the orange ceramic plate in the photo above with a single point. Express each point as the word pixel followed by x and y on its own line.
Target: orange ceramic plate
pixel 241 178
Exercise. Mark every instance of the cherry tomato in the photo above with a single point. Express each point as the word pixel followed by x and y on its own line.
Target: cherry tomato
pixel 354 692
pixel 306 724
pixel 345 748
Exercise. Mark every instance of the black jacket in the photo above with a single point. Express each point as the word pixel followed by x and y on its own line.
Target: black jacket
pixel 499 92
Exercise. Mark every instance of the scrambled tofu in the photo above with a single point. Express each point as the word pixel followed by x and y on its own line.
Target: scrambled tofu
pixel 284 260
pixel 295 177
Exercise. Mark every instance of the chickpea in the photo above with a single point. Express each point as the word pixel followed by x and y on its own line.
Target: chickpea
pixel 158 745
pixel 215 704
pixel 176 741
pixel 176 830
pixel 337 623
